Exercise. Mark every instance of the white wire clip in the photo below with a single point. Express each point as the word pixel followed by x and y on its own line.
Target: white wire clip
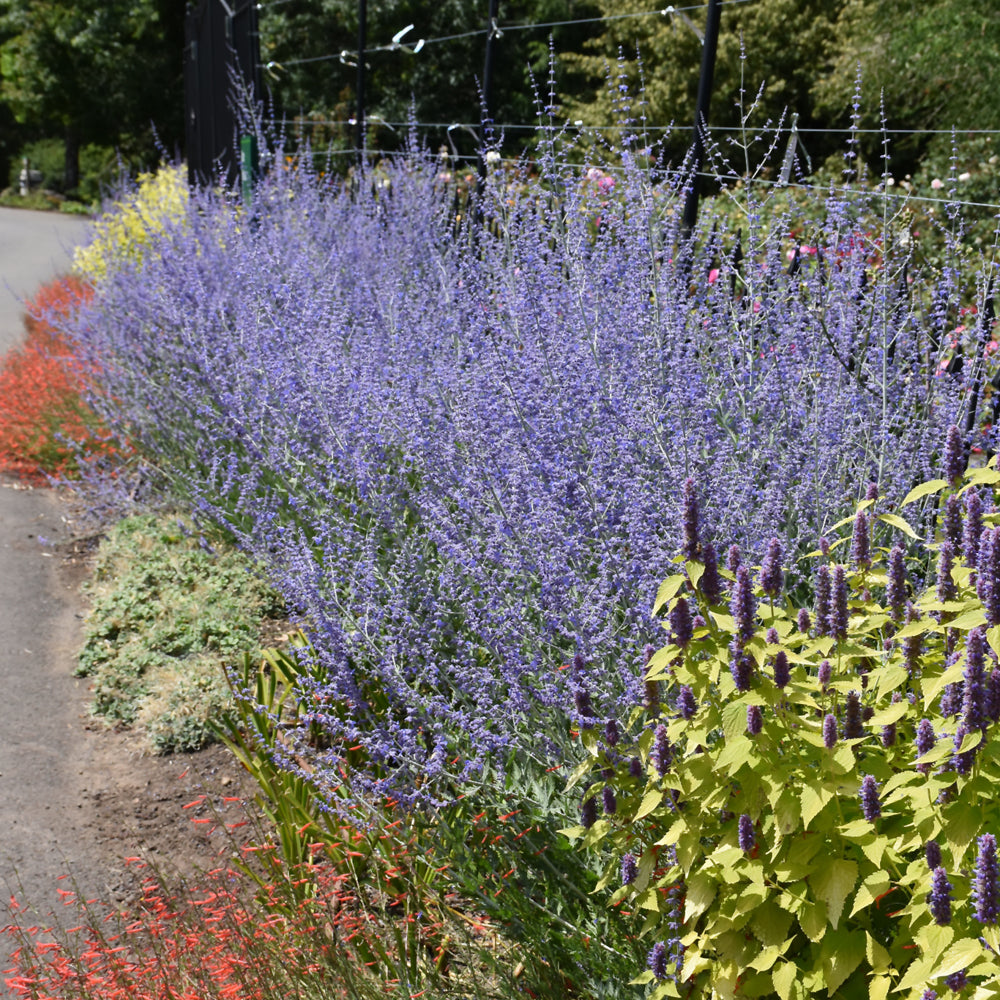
pixel 397 40
pixel 495 31
pixel 347 58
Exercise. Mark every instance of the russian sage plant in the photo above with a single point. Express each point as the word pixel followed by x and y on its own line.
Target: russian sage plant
pixel 460 448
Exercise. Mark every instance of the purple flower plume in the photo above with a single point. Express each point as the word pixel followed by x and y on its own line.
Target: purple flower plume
pixel 710 582
pixel 974 699
pixel 946 589
pixel 663 753
pixel 853 726
pixel 610 800
pixel 895 590
pixel 657 960
pixel 823 674
pixel 870 804
pixel 939 898
pixel 680 622
pixel 924 742
pixel 612 733
pixel 733 558
pixel 824 597
pixel 932 851
pixel 838 611
pixel 741 666
pixel 912 644
pixel 951 525
pixel 954 455
pixel 771 575
pixel 755 720
pixel 861 553
pixel 630 869
pixel 686 703
pixel 804 621
pixel 988 574
pixel 986 886
pixel 830 731
pixel 742 605
pixel 782 670
pixel 745 834
pixel 588 812
pixel 957 981
pixel 962 761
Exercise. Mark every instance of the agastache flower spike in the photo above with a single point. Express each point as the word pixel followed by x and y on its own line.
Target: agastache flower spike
pixel 895 589
pixel 680 622
pixel 988 576
pixel 932 851
pixel 610 800
pixel 838 612
pixel 692 541
pixel 912 644
pixel 824 592
pixel 686 704
pixel 973 527
pixel 804 621
pixel 993 696
pixel 830 731
pixel 870 804
pixel 962 762
pixel 853 726
pixel 771 575
pixel 663 753
pixel 710 582
pixel 957 981
pixel 741 666
pixel 733 558
pixel 742 604
pixel 823 674
pixel 657 960
pixel 824 545
pixel 954 457
pixel 612 734
pixel 924 742
pixel 630 869
pixel 974 704
pixel 872 492
pixel 861 555
pixel 939 898
pixel 951 526
pixel 946 589
pixel 755 720
pixel 745 834
pixel 986 888
pixel 588 812
pixel 782 671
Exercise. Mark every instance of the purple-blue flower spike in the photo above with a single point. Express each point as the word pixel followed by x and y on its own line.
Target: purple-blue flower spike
pixel 823 601
pixel 830 731
pixel 755 720
pixel 681 625
pixel 954 456
pixel 742 605
pixel 610 800
pixel 733 558
pixel 690 521
pixel 871 807
pixel 946 589
pixel 741 666
pixel 861 550
pixel 973 527
pixel 986 886
pixel 853 726
pixel 710 583
pixel 974 696
pixel 804 621
pixel 895 590
pixel 924 742
pixel 657 960
pixel 838 611
pixel 939 898
pixel 663 753
pixel 932 852
pixel 771 575
pixel 687 706
pixel 630 869
pixel 951 523
pixel 782 670
pixel 823 674
pixel 745 834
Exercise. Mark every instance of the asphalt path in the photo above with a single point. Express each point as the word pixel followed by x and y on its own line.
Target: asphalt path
pixel 43 751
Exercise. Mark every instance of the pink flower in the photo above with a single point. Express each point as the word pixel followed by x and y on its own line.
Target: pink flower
pixel 713 276
pixel 937 184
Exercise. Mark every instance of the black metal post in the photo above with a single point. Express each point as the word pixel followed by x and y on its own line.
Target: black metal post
pixel 491 38
pixel 359 123
pixel 708 50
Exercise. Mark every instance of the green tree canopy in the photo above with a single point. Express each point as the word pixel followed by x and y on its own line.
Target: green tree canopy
pixel 99 70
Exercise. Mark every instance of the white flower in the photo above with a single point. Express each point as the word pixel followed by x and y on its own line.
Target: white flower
pixel 965 177
pixel 492 157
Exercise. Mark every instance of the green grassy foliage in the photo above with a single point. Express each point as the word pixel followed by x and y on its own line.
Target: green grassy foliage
pixel 169 611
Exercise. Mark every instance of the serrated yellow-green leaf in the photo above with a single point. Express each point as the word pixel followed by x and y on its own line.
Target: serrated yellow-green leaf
pixel 991 935
pixel 701 891
pixel 897 522
pixel 934 941
pixel 874 849
pixel 923 626
pixel 648 900
pixel 579 771
pixel 993 638
pixel 657 668
pixel 812 920
pixel 870 890
pixel 918 973
pixel 668 589
pixel 961 823
pixel 734 719
pixel 727 623
pixel 878 958
pixel 649 802
pixel 787 811
pixel 938 684
pixel 970 741
pixel 843 759
pixel 734 754
pixel 813 800
pixel 833 883
pixel 924 490
pixel 842 952
pixel 783 977
pixel 959 956
pixel 854 829
pixel 769 955
pixel 889 715
pixel 878 986
pixel 983 476
pixel 969 620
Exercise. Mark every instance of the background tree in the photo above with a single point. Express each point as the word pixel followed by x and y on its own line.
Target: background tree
pixel 98 71
pixel 935 64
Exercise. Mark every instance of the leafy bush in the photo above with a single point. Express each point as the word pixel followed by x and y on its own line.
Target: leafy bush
pixel 809 803
pixel 46 426
pixel 131 224
pixel 168 613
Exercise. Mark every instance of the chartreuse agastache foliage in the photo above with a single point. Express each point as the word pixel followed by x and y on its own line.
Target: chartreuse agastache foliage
pixel 811 802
